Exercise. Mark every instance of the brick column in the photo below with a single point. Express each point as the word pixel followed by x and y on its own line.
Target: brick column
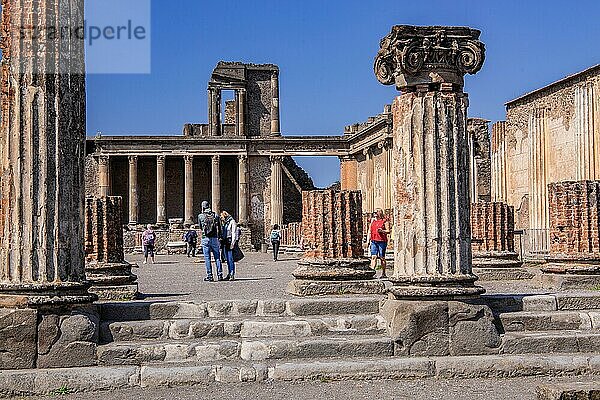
pixel 103 175
pixel 276 190
pixel 46 316
pixel 216 183
pixel 333 261
pixel 161 206
pixel 189 189
pixel 106 267
pixel 133 190
pixel 243 189
pixel 574 259
pixel 348 173
pixel 275 125
pixel 492 235
pixel 432 236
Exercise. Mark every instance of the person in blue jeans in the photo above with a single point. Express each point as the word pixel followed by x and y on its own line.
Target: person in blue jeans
pixel 211 231
pixel 229 235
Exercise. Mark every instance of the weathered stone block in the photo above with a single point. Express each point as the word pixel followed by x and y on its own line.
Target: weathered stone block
pixel 301 287
pixel 18 334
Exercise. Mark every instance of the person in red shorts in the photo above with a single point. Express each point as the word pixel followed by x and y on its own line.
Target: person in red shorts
pixel 378 236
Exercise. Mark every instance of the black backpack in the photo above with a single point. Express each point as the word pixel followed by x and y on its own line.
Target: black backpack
pixel 210 225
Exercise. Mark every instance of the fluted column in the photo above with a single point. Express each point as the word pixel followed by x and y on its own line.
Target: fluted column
pixel 276 190
pixel 243 189
pixel 133 190
pixel 42 150
pixel 103 175
pixel 241 109
pixel 499 165
pixel 189 189
pixel 161 207
pixel 275 125
pixel 587 140
pixel 538 191
pixel 432 233
pixel 216 183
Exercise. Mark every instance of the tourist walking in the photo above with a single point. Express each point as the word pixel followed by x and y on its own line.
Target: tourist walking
pixel 191 240
pixel 148 240
pixel 378 236
pixel 275 241
pixel 210 226
pixel 229 234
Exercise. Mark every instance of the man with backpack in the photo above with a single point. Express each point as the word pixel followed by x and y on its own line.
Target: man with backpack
pixel 191 240
pixel 210 226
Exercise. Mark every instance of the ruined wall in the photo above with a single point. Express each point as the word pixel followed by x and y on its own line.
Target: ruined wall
pixel 119 182
pixel 550 152
pixel 259 98
pixel 174 176
pixel 478 130
pixel 229 185
pixel 259 189
pixel 292 194
pixel 147 190
pixel 202 183
pixel 575 217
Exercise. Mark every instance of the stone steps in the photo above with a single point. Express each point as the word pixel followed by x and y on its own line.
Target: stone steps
pixel 549 342
pixel 248 327
pixel 562 301
pixel 139 310
pixel 22 383
pixel 584 320
pixel 148 352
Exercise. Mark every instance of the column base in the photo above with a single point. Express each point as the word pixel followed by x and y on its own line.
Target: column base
pixel 112 281
pixel 571 272
pixel 434 287
pixel 334 269
pixel 34 295
pixel 300 287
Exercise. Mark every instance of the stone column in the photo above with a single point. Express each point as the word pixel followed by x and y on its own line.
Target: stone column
pixel 538 190
pixel 216 183
pixel 426 313
pixel 493 242
pixel 432 236
pixel 46 319
pixel 348 173
pixel 133 190
pixel 105 265
pixel 275 126
pixel 243 189
pixel 369 172
pixel 574 259
pixel 189 189
pixel 276 190
pixel 214 106
pixel 333 261
pixel 587 132
pixel 241 109
pixel 161 206
pixel 103 175
pixel 499 163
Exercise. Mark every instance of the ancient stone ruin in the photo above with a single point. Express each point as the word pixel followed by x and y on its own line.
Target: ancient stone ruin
pixel 333 260
pixel 105 265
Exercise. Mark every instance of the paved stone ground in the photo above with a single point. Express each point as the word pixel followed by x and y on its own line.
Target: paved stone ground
pixel 176 277
pixel 426 389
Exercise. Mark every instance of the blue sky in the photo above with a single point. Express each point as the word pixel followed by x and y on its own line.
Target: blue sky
pixel 325 50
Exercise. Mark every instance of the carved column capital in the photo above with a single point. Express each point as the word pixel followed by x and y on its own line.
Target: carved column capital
pixel 160 159
pixel 243 158
pixel 276 159
pixel 188 158
pixel 133 159
pixel 367 151
pixel 348 157
pixel 103 160
pixel 385 144
pixel 216 159
pixel 426 55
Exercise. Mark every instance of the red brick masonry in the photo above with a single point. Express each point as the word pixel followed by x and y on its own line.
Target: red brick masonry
pixel 574 217
pixel 104 229
pixel 332 224
pixel 492 227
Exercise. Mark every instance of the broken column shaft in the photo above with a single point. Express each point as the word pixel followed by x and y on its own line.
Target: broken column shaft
pixel 333 262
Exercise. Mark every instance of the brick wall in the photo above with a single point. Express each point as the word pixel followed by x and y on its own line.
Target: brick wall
pixel 332 224
pixel 291 234
pixel 574 217
pixel 104 229
pixel 492 227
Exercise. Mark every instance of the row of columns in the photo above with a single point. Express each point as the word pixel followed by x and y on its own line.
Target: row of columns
pixel 161 216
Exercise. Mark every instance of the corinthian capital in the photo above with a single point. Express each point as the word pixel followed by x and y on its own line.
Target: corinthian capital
pixel 425 55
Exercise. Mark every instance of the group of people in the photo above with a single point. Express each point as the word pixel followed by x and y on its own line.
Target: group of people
pixel 220 235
